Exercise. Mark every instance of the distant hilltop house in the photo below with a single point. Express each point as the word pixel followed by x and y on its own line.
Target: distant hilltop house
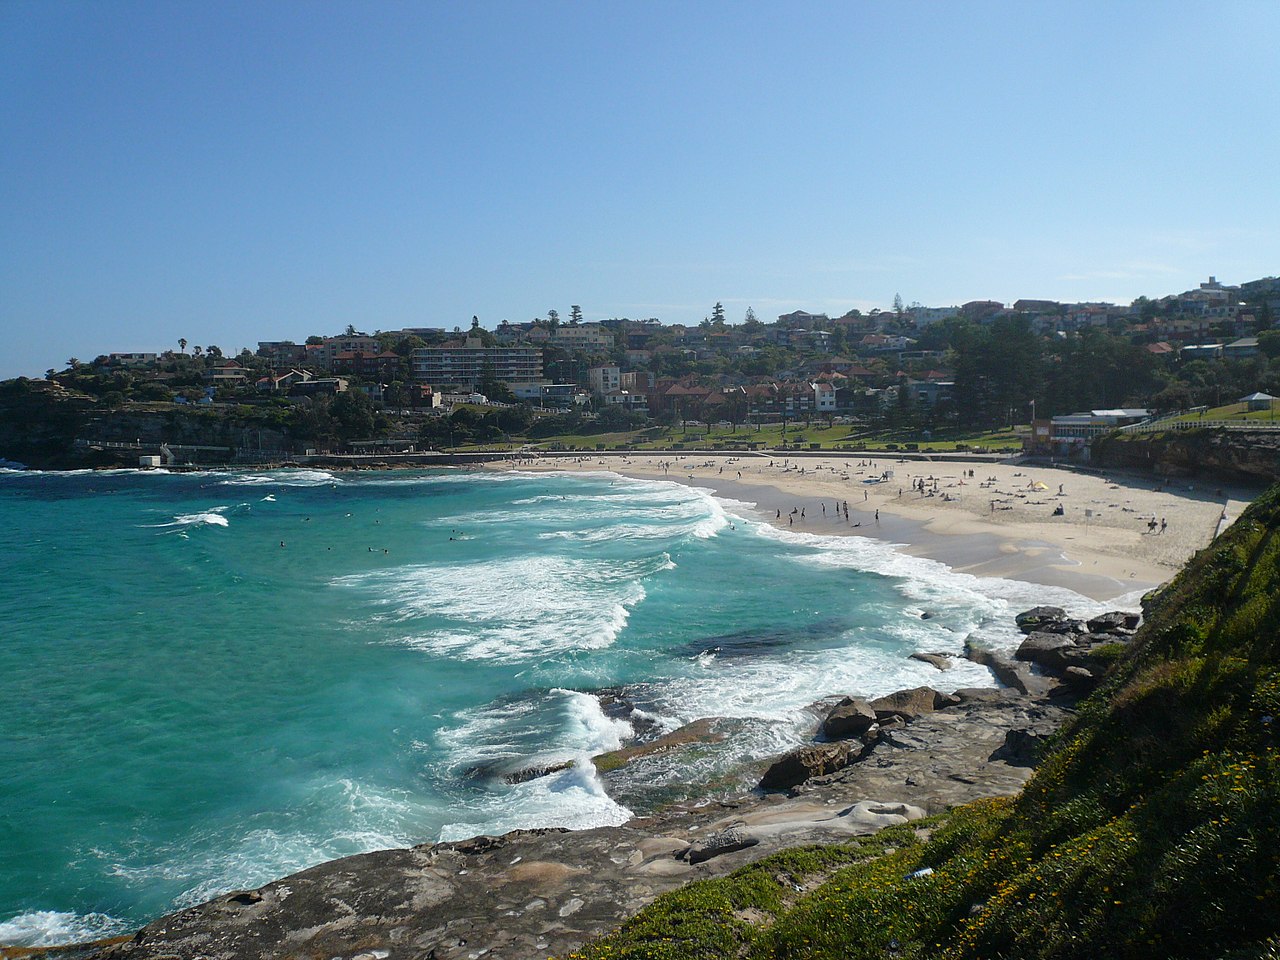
pixel 133 359
pixel 926 316
pixel 324 354
pixel 226 373
pixel 319 386
pixel 282 383
pixel 383 365
pixel 978 309
pixel 803 319
pixel 586 336
pixel 884 342
pixel 282 353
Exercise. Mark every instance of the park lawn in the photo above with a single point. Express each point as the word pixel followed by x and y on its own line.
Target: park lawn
pixel 1229 411
pixel 840 438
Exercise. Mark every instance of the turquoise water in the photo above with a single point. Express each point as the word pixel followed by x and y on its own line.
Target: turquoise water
pixel 212 680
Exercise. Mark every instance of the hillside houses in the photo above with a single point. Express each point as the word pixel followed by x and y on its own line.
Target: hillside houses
pixel 902 363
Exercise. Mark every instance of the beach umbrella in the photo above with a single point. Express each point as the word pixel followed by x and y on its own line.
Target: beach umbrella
pixel 1039 485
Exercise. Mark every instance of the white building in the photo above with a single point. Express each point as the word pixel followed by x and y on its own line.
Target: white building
pixel 605 380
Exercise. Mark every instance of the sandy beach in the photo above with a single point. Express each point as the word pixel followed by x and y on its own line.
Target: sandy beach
pixel 1115 534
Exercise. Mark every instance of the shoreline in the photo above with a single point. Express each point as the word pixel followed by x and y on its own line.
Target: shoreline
pixel 1000 522
pixel 949 531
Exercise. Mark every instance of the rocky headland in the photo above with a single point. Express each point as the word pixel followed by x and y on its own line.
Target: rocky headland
pixel 537 893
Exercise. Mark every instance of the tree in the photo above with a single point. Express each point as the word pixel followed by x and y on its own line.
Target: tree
pixel 575 315
pixel 493 388
pixel 182 344
pixel 553 318
pixel 350 331
pixel 1269 343
pixel 717 315
pixel 736 406
pixel 406 345
pixel 897 305
pixel 353 412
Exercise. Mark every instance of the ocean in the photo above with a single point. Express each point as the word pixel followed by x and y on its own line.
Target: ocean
pixel 212 680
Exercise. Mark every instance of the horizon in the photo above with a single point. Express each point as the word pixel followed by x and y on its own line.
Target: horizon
pixel 242 173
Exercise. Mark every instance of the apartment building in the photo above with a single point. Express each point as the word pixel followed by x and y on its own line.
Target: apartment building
pixel 465 364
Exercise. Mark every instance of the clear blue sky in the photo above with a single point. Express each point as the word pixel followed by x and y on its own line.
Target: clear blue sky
pixel 228 172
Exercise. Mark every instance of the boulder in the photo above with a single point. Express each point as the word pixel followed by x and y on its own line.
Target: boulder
pixel 1067 627
pixel 1037 617
pixel 1011 673
pixel 794 768
pixel 1079 679
pixel 910 704
pixel 978 694
pixel 1114 621
pixel 939 660
pixel 1021 748
pixel 849 718
pixel 525 774
pixel 724 841
pixel 1045 648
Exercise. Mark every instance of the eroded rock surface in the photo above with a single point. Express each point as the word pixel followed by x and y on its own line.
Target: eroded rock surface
pixel 543 893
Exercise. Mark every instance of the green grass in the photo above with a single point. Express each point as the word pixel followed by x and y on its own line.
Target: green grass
pixel 1152 828
pixel 838 439
pixel 1232 411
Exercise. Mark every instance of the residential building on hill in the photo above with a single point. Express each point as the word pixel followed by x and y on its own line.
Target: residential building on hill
pixel 384 366
pixel 605 380
pixel 466 363
pixel 282 353
pixel 333 346
pixel 133 359
pixel 590 337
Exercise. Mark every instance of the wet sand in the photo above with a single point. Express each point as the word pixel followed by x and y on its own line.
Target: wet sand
pixel 1000 522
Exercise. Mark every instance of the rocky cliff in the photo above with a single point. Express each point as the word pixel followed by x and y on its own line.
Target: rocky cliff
pixel 1228 456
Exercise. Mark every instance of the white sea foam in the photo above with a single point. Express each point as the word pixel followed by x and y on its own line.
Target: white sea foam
pixel 511 608
pixel 360 819
pixel 47 928
pixel 283 478
pixel 213 517
pixel 986 604
pixel 573 797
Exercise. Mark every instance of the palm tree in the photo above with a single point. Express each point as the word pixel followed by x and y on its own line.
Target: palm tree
pixel 182 344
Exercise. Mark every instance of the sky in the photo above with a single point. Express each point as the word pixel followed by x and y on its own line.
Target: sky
pixel 239 171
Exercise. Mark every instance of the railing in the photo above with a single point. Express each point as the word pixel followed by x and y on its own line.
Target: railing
pixel 1156 426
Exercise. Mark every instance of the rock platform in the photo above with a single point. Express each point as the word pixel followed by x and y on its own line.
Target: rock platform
pixel 539 893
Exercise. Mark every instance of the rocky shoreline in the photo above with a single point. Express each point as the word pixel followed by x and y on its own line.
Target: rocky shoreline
pixel 539 893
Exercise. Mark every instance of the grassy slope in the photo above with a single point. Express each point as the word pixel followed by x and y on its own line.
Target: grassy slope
pixel 1151 830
